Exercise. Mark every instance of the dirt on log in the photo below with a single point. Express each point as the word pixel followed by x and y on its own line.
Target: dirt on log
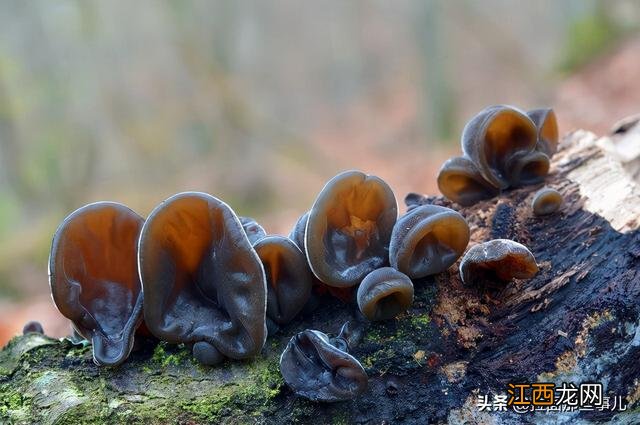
pixel 576 321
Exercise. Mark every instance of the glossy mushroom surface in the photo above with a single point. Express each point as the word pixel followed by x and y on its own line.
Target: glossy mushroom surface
pixel 546 201
pixel 460 181
pixel 531 168
pixel 349 228
pixel 497 261
pixel 204 283
pixel 297 233
pixel 384 293
pixel 316 369
pixel 289 278
pixel 32 327
pixel 94 277
pixel 495 139
pixel 254 231
pixel 547 125
pixel 428 240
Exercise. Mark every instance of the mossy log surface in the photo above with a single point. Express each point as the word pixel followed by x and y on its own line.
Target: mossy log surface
pixel 576 321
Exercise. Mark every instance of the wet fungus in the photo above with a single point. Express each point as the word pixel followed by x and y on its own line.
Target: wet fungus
pixel 428 240
pixel 204 283
pixel 254 231
pixel 495 262
pixel 319 368
pixel 349 228
pixel 94 278
pixel 32 327
pixel 288 277
pixel 546 201
pixel 384 293
pixel 547 125
pixel 502 147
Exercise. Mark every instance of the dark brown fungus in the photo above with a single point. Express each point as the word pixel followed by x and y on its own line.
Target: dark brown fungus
pixel 546 201
pixel 316 369
pixel 384 293
pixel 254 231
pixel 32 327
pixel 496 262
pixel 496 139
pixel 427 240
pixel 460 181
pixel 528 169
pixel 349 228
pixel 204 284
pixel 288 277
pixel 547 125
pixel 94 277
pixel 297 233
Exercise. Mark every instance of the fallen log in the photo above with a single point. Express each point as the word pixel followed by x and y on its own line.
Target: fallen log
pixel 577 321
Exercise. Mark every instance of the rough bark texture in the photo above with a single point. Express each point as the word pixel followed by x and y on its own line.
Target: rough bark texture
pixel 576 321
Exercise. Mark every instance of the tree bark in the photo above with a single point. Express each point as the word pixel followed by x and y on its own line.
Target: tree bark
pixel 576 321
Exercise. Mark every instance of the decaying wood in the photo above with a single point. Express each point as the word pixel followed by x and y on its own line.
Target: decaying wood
pixel 576 321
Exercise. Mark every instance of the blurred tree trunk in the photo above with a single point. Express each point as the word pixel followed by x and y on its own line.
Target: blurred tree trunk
pixel 576 321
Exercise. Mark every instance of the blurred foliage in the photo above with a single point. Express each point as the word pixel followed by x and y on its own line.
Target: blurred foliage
pixel 588 36
pixel 256 102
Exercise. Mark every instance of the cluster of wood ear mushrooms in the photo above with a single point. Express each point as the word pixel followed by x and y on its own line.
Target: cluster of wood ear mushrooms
pixel 195 273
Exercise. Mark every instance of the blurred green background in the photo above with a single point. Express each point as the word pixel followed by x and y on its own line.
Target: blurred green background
pixel 261 102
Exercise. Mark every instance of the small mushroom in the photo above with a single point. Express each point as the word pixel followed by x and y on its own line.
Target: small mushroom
pixel 204 283
pixel 494 140
pixel 497 261
pixel 32 327
pixel 94 279
pixel 288 277
pixel 546 201
pixel 384 293
pixel 316 369
pixel 297 233
pixel 547 125
pixel 427 240
pixel 460 181
pixel 531 168
pixel 254 231
pixel 349 228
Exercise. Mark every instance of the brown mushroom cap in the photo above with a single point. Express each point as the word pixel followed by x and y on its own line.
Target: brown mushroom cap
pixel 531 168
pixel 547 125
pixel 460 181
pixel 384 293
pixel 288 275
pixel 349 228
pixel 546 201
pixel 494 137
pixel 427 240
pixel 498 260
pixel 204 284
pixel 254 231
pixel 94 277
pixel 32 327
pixel 317 370
pixel 297 233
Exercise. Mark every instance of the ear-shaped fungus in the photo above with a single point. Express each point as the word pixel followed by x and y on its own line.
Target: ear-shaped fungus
pixel 349 228
pixel 427 240
pixel 317 370
pixel 497 261
pixel 496 140
pixel 384 293
pixel 547 125
pixel 546 201
pixel 460 181
pixel 254 231
pixel 528 169
pixel 32 327
pixel 204 284
pixel 94 277
pixel 288 277
pixel 297 233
